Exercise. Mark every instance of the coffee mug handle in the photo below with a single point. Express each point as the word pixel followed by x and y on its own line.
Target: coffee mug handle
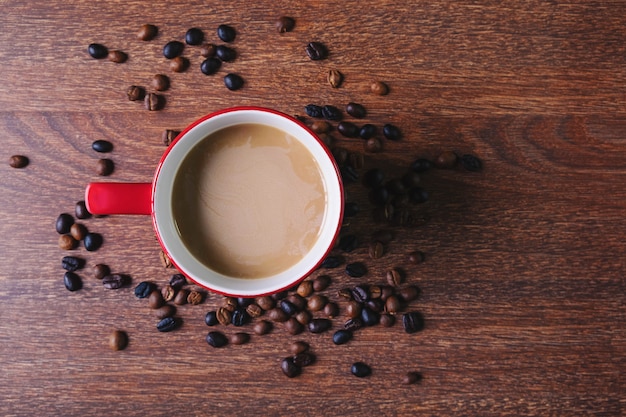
pixel 103 198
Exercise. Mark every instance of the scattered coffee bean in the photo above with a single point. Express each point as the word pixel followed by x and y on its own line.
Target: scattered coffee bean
pixel 92 241
pixel 147 32
pixel 153 102
pixel 254 310
pixel 395 277
pixel 208 50
pixel 226 33
pixel 210 66
pixel 100 271
pixel 160 82
pixel 471 163
pixel 155 299
pixel 379 88
pixel 114 281
pixel 353 309
pixel 210 319
pixel 288 307
pixel 353 324
pixel 135 92
pixel 304 359
pixel 360 294
pixel 278 315
pixel 348 129
pixel 97 51
pixel 233 81
pixel 289 368
pixel 78 231
pixel 293 326
pixel 144 289
pixel 341 155
pixel 367 131
pixel 316 51
pixel 393 304
pixel 391 132
pixel 317 302
pixel 331 113
pixel 342 337
pixel 313 110
pixel 180 298
pixel 417 257
pixel 375 291
pixel 373 145
pixel 262 327
pixel 178 281
pixel 168 136
pixel 72 281
pixel 168 293
pixel 266 303
pixel 356 110
pixel 305 288
pixel 166 262
pixel 413 322
pixel 409 293
pixel 168 324
pixel 240 317
pixel 321 282
pixel 165 311
pixel 360 369
pixel 335 78
pixel 194 36
pixel 376 250
pixel 386 292
pixel 387 320
pixel 117 57
pixel 224 316
pixel 18 161
pixel 356 269
pixel 320 126
pixel 319 325
pixel 331 309
pixel 331 262
pixel 304 317
pixel 118 340
pixel 225 53
pixel 179 64
pixel 418 195
pixel 240 338
pixel 216 339
pixel 446 160
pixel 104 167
pixel 384 236
pixel 102 146
pixel 63 223
pixel 369 316
pixel 172 49
pixel 195 297
pixel 298 347
pixel 280 295
pixel 349 174
pixel 72 263
pixel 284 24
pixel 67 242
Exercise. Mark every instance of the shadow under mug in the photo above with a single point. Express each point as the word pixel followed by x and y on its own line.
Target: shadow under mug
pixel 155 199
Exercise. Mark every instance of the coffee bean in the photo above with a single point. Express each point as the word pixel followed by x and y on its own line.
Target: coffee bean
pixel 304 359
pixel 288 307
pixel 289 368
pixel 226 33
pixel 375 304
pixel 317 302
pixel 210 66
pixel 18 161
pixel 321 282
pixel 316 51
pixel 160 82
pixel 168 324
pixel 304 317
pixel 117 57
pixel 411 377
pixel 114 281
pixel 168 293
pixel 97 51
pixel 353 324
pixel 155 299
pixel 179 64
pixel 391 132
pixel 471 163
pixel 335 78
pixel 67 242
pixel 369 317
pixel 177 281
pixel 320 325
pixel 293 326
pixel 393 304
pixel 194 36
pixel 180 298
pixel 313 110
pixel 356 110
pixel 360 294
pixel 153 102
pixel 118 340
pixel 331 113
pixel 418 195
pixel 78 231
pixel 395 277
pixel 224 316
pixel 240 317
pixel 195 297
pixel 284 24
pixel 341 155
pixel 278 315
pixel 348 243
pixel 356 160
pixel 72 263
pixel 298 347
pixel 373 145
pixel 417 257
pixel 331 262
pixel 266 303
pixel 413 322
pixel 63 223
pixel 262 327
pixel 147 32
pixel 144 289
pixel 280 295
pixel 367 131
pixel 100 271
pixel 92 241
pixel 410 293
pixel 356 269
pixel 104 167
pixel 353 309
pixel 387 320
pixel 208 50
pixel 348 129
pixel 342 337
pixel 373 178
pixel 210 319
pixel 379 88
pixel 165 311
pixel 254 310
pixel 411 179
pixel 135 92
pixel 216 339
pixel 233 81
pixel 72 281
pixel 386 292
pixel 101 146
pixel 331 309
pixel 360 369
pixel 305 288
pixel 240 338
pixel 172 49
pixel 376 250
pixel 166 262
pixel 446 160
pixel 225 53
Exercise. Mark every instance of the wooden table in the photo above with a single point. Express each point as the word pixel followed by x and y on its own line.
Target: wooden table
pixel 523 286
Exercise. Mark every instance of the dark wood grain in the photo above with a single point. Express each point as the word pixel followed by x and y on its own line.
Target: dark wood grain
pixel 523 286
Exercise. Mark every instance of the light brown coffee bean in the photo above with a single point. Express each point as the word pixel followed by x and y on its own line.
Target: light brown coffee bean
pixel 379 88
pixel 104 167
pixel 118 340
pixel 160 82
pixel 417 257
pixel 179 64
pixel 305 288
pixel 100 271
pixel 153 102
pixel 195 297
pixel 331 309
pixel 446 160
pixel 147 32
pixel 168 292
pixel 373 145
pixel 316 302
pixel 231 304
pixel 320 126
pixel 411 378
pixel 67 242
pixel 293 326
pixel 165 260
pixel 135 93
pixel 387 320
pixel 409 293
pixel 393 304
pixel 335 78
pixel 78 231
pixel 278 315
pixel 208 50
pixel 262 327
pixel 18 161
pixel 224 316
pixel 304 317
pixel 353 309
pixel 254 310
pixel 266 303
pixel 375 291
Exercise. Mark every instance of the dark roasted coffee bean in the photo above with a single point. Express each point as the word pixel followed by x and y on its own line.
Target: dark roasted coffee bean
pixel 216 339
pixel 355 110
pixel 210 66
pixel 223 316
pixel 375 304
pixel 395 277
pixel 135 92
pixel 100 271
pixel 360 294
pixel 393 304
pixel 143 289
pixel 304 359
pixel 446 160
pixel 153 102
pixel 418 195
pixel 293 326
pixel 349 174
pixel 298 301
pixel 244 301
pixel 63 223
pixel 367 131
pixel 102 146
pixel 413 322
pixel 97 51
pixel 177 281
pixel 331 309
pixel 80 210
pixel 379 88
pixel 18 161
pixel 391 132
pixel 369 316
pixel 172 49
pixel 321 282
pixel 373 145
pixel 289 368
pixel 360 369
pixel 387 320
pixel 160 82
pixel 280 295
pixel 195 297
pixel 118 340
pixel 92 241
pixel 316 51
pixel 168 293
pixel 179 64
pixel 72 281
pixel 348 243
pixel 331 262
pixel 147 32
pixel 72 263
pixel 410 293
pixel 278 315
pixel 114 281
pixel 262 327
pixel 155 299
pixel 348 129
pixel 284 24
pixel 168 324
pixel 316 302
pixel 104 167
pixel 421 165
pixel 376 250
pixel 165 311
pixel 379 196
pixel 417 257
pixel 225 53
pixel 117 57
pixel 194 36
pixel 67 242
pixel 240 338
pixel 331 113
pixel 226 33
pixel 233 81
pixel 471 163
pixel 313 110
pixel 210 319
pixel 180 298
pixel 288 307
pixel 353 324
pixel 351 209
pixel 356 269
pixel 342 337
pixel 320 325
pixel 208 50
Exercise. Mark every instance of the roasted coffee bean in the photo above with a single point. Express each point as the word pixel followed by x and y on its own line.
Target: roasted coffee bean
pixel 210 66
pixel 224 316
pixel 80 210
pixel 165 311
pixel 410 293
pixel 155 299
pixel 379 196
pixel 345 293
pixel 421 165
pixel 387 320
pixel 320 325
pixel 135 92
pixel 367 131
pixel 254 310
pixel 391 132
pixel 369 317
pixel 360 294
pixel 194 36
pixel 208 50
pixel 104 167
pixel 313 110
pixel 376 250
pixel 418 195
pixel 231 304
pixel 331 113
pixel 179 64
pixel 297 300
pixel 233 81
pixel 375 304
pixel 280 295
pixel 288 307
pixel 118 340
pixel 168 136
pixel 293 326
pixel 348 243
pixel 348 129
pixel 210 319
pixel 356 269
pixel 168 292
pixel 395 277
pixel 373 178
pixel 92 241
pixel 160 82
pixel 471 163
pixel 356 110
pixel 102 146
pixel 168 324
pixel 244 301
pixel 166 262
pixel 321 282
pixel 320 126
pixel 153 102
pixel 72 263
pixel 360 369
pixel 78 231
pixel 373 145
pixel 351 209
pixel 278 315
pixel 216 339
pixel 411 377
pixel 393 304
pixel 147 32
pixel 262 327
pixel 144 289
pixel 67 242
pixel 335 78
pixel 284 24
pixel 353 309
pixel 97 51
pixel 298 347
pixel 180 298
pixel 195 297
pixel 63 223
pixel 18 161
pixel 225 53
pixel 304 359
pixel 379 88
pixel 266 303
pixel 305 288
pixel 446 160
pixel 349 174
pixel 386 292
pixel 178 281
pixel 316 51
pixel 172 49
pixel 317 302
pixel 331 262
pixel 417 257
pixel 375 291
pixel 100 271
pixel 117 57
pixel 114 281
pixel 304 317
pixel 331 309
pixel 226 33
pixel 72 281
pixel 240 317
pixel 289 368
pixel 413 322
pixel 240 338
pixel 342 337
